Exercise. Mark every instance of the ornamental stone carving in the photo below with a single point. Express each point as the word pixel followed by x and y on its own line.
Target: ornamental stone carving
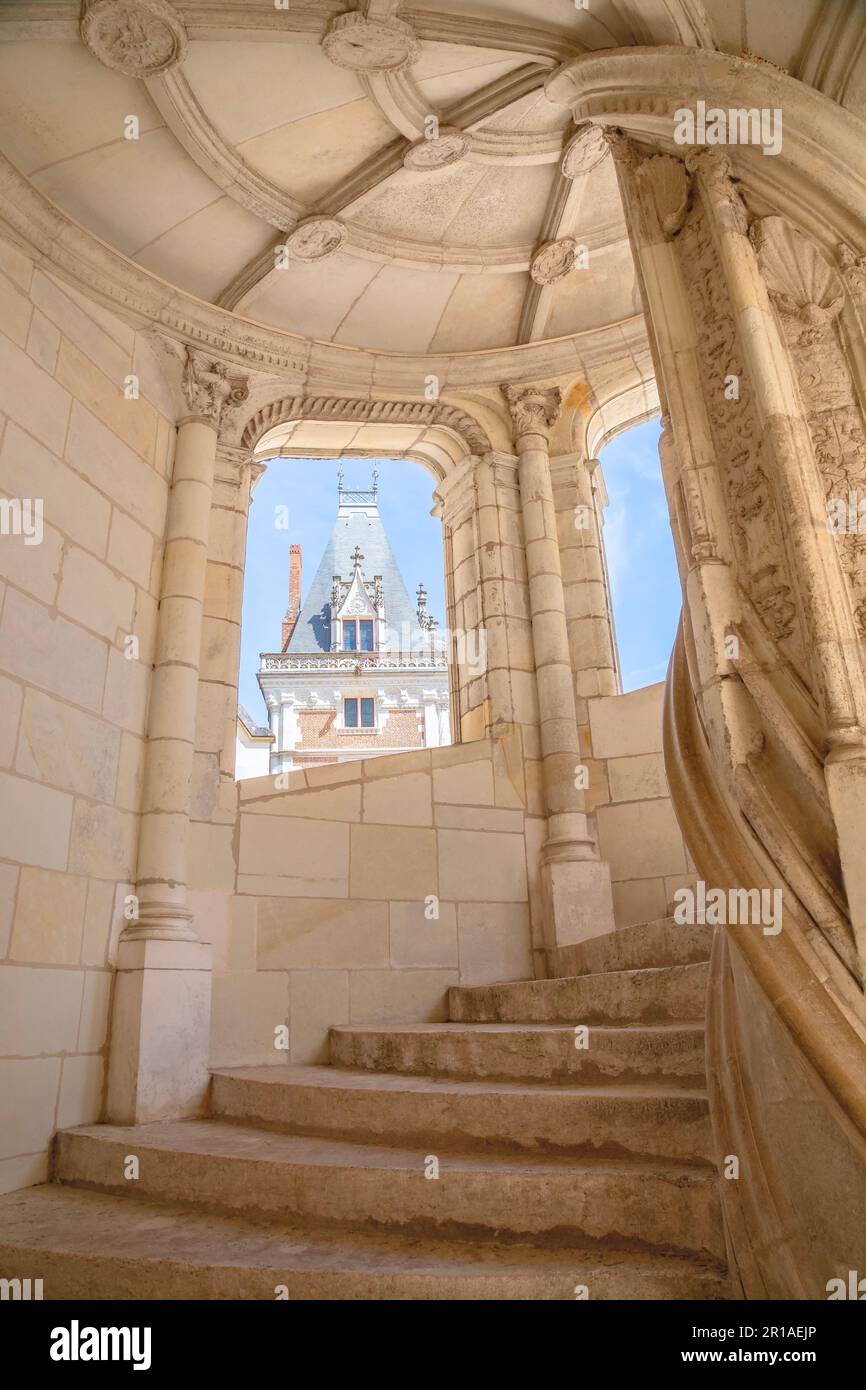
pixel 553 260
pixel 316 238
pixel 211 391
pixel 449 146
pixel 140 38
pixel 370 45
pixel 584 151
pixel 664 180
pixel 534 409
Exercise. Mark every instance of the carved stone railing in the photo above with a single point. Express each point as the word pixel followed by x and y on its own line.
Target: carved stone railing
pixel 352 661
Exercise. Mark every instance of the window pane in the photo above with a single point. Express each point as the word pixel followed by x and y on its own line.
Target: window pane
pixel 366 635
pixel 350 711
pixel 367 714
pixel 350 643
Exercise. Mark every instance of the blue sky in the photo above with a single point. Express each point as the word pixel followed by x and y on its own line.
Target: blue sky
pixel 640 556
pixel 646 595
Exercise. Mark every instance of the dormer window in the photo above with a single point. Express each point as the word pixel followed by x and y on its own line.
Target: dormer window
pixel 358 635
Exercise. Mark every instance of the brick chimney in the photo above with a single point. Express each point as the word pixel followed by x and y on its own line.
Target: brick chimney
pixel 294 607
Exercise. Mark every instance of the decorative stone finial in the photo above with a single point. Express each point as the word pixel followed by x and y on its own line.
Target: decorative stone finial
pixel 357 557
pixel 140 38
pixel 370 45
pixel 534 409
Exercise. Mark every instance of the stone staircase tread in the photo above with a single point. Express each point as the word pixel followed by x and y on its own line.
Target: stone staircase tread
pixel 129 1235
pixel 225 1138
pixel 434 1029
pixel 356 1078
pixel 642 970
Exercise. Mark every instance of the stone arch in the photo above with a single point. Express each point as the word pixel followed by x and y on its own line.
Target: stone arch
pixel 424 414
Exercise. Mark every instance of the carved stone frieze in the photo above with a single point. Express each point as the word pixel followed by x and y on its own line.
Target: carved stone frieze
pixel 755 525
pixel 370 45
pixel 808 294
pixel 140 38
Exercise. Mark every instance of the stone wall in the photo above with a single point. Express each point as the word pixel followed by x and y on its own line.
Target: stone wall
pixel 72 705
pixel 335 876
pixel 638 833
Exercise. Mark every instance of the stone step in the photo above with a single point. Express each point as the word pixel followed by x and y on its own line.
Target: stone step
pixel 649 944
pixel 546 1199
pixel 668 994
pixel 437 1114
pixel 87 1245
pixel 673 1053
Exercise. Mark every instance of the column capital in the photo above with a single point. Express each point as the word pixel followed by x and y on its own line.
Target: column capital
pixel 211 390
pixel 533 409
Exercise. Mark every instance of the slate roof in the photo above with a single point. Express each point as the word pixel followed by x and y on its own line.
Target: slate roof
pixel 355 526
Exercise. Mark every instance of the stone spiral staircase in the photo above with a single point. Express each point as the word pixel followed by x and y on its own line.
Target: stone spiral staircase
pixel 560 1170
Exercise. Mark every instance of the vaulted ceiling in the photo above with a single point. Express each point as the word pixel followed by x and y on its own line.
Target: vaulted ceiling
pixel 427 193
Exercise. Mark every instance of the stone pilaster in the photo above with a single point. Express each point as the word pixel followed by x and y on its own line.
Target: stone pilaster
pixel 577 884
pixel 579 497
pixel 161 1018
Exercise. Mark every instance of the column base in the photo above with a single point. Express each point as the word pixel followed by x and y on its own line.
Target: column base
pixel 578 901
pixel 160 1031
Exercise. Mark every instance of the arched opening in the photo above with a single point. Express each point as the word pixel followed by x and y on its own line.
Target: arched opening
pixel 646 597
pixel 344 638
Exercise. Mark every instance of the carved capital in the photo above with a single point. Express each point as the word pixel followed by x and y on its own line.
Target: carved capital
pixel 713 167
pixel 625 152
pixel 140 38
pixel 853 270
pixel 211 390
pixel 534 409
pixel 370 45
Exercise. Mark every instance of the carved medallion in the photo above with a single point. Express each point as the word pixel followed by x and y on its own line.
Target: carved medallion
pixel 553 260
pixel 587 149
pixel 140 38
pixel 370 45
pixel 315 238
pixel 450 145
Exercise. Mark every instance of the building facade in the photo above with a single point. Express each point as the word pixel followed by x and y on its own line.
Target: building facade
pixel 362 671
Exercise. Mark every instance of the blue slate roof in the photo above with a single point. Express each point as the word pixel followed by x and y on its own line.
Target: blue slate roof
pixel 354 526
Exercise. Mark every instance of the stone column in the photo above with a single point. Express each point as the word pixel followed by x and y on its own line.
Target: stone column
pixel 161 1016
pixel 577 485
pixel 579 902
